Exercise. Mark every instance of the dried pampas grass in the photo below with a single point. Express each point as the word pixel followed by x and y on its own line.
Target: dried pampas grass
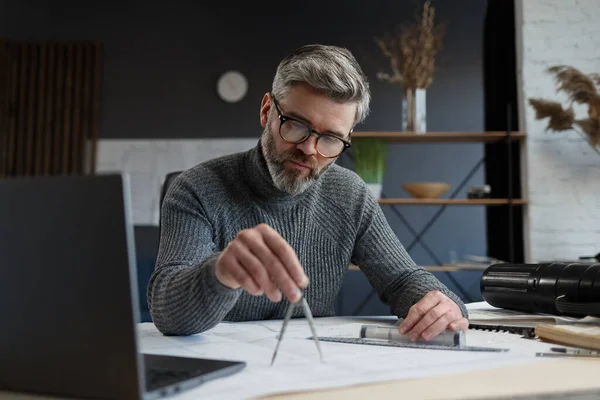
pixel 412 51
pixel 560 119
pixel 581 89
pixel 591 127
pixel 596 78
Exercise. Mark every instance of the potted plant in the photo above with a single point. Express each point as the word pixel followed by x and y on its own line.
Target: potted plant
pixel 369 162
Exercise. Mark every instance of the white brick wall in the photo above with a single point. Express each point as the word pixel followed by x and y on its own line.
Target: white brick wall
pixel 147 162
pixel 562 172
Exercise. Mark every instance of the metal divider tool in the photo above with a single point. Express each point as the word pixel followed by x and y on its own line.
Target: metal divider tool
pixel 311 324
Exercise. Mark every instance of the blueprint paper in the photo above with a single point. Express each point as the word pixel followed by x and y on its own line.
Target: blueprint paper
pixel 297 367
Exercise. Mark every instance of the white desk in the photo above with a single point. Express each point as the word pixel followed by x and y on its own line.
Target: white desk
pixel 354 370
pixel 358 371
pixel 552 380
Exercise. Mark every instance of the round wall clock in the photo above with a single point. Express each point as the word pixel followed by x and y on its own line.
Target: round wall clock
pixel 232 86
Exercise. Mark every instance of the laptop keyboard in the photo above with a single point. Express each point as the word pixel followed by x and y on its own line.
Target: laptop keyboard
pixel 157 378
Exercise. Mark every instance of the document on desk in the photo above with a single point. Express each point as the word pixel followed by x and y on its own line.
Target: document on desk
pixel 497 316
pixel 298 368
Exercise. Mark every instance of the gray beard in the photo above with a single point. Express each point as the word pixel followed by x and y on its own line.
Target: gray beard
pixel 286 181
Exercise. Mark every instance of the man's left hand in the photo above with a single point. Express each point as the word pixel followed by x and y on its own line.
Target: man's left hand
pixel 433 314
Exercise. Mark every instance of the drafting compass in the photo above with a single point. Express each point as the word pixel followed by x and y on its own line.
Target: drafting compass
pixel 311 323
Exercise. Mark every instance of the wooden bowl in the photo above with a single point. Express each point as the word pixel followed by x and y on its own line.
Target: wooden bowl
pixel 426 190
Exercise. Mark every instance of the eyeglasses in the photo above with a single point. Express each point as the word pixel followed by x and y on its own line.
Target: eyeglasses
pixel 295 131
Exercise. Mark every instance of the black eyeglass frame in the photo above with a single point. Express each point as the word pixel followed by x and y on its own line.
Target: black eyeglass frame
pixel 283 118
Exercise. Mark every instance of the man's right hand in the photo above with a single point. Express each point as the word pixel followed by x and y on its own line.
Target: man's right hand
pixel 260 261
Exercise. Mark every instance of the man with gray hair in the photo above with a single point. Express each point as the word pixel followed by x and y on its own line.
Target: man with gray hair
pixel 243 235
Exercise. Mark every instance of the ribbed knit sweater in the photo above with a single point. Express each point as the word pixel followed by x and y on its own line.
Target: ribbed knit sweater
pixel 330 225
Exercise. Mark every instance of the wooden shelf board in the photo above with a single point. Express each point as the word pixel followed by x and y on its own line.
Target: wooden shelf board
pixel 428 137
pixel 464 202
pixel 431 268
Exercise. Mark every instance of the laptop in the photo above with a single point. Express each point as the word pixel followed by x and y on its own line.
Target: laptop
pixel 69 297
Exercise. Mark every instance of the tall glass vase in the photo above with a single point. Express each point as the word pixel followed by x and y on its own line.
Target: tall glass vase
pixel 413 111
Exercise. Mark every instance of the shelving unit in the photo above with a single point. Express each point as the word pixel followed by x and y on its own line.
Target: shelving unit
pixel 431 268
pixel 451 202
pixel 441 137
pixel 506 138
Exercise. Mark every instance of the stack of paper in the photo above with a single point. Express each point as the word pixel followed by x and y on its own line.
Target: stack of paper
pixel 516 318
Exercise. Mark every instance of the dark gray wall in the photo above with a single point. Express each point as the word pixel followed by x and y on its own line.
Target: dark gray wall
pixel 162 60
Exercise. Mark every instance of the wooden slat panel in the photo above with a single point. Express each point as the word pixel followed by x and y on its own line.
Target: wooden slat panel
pixel 78 75
pixel 66 159
pixel 57 139
pixel 21 111
pixel 96 104
pixel 30 112
pixel 40 102
pixel 88 74
pixel 5 68
pixel 49 109
pixel 13 113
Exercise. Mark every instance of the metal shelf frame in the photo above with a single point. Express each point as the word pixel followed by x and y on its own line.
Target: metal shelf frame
pixel 506 138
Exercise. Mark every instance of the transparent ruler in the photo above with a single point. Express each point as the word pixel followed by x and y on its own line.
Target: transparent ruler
pixel 372 342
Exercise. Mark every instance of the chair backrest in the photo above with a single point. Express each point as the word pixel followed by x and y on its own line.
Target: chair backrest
pixel 146 265
pixel 168 181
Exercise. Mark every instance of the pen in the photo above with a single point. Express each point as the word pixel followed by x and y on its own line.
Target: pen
pixel 583 355
pixel 446 338
pixel 564 352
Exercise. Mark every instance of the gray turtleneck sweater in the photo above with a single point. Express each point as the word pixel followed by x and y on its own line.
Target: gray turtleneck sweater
pixel 332 224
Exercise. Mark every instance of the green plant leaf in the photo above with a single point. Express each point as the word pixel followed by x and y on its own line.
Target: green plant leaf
pixel 369 158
